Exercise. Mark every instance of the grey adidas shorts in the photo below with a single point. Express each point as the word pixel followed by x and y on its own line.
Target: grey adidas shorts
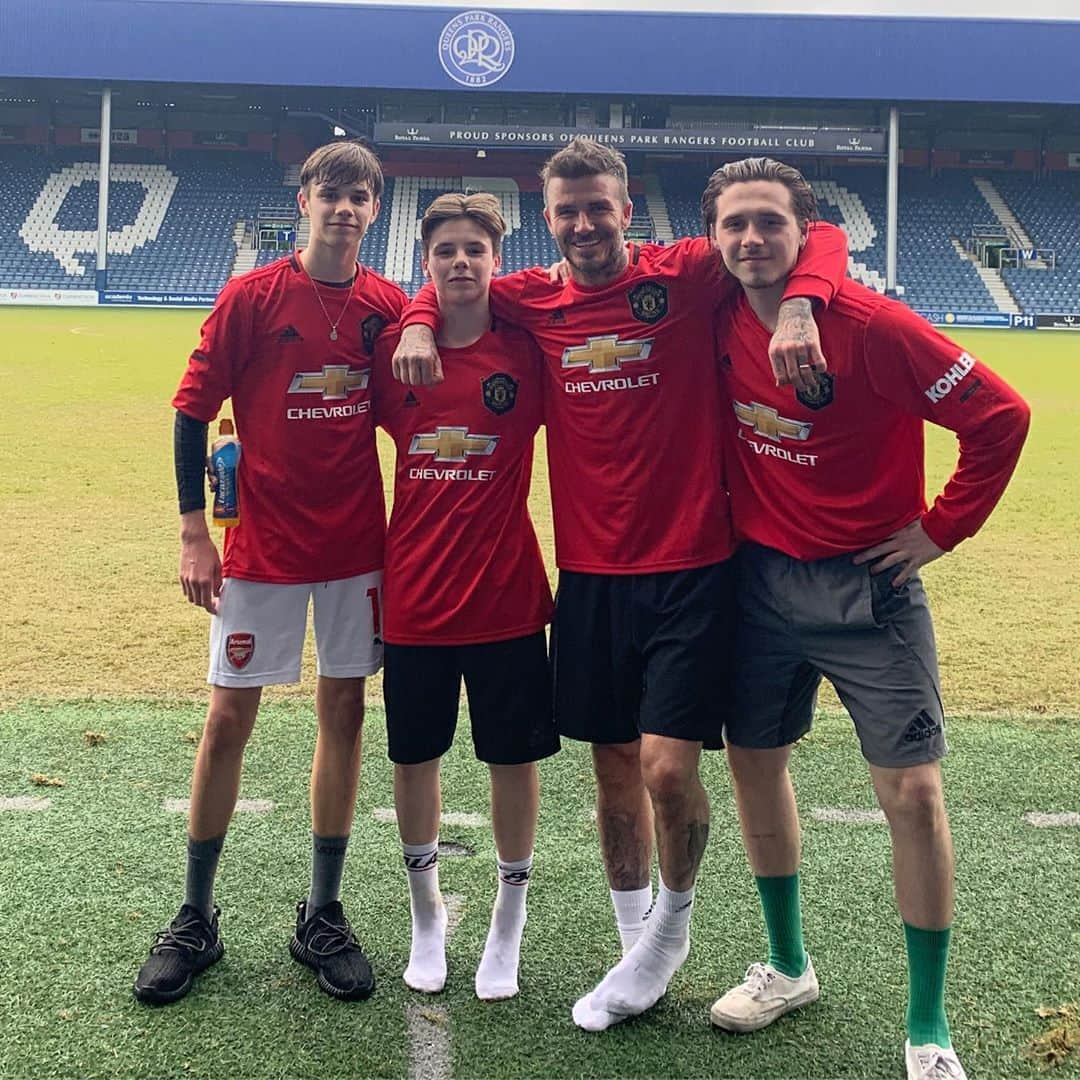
pixel 799 621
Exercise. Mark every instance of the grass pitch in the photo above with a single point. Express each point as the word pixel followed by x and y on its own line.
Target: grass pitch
pixel 88 880
pixel 96 637
pixel 89 555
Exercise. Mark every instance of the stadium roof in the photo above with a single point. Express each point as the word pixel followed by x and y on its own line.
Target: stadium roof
pixel 865 52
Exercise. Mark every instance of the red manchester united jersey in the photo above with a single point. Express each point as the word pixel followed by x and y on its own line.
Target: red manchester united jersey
pixel 839 469
pixel 463 565
pixel 632 401
pixel 311 501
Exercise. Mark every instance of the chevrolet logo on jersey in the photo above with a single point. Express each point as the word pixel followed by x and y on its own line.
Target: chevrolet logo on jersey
pixel 769 423
pixel 453 444
pixel 606 353
pixel 335 382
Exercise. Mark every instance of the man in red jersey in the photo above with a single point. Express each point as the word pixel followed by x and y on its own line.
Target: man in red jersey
pixel 642 535
pixel 827 488
pixel 466 592
pixel 292 344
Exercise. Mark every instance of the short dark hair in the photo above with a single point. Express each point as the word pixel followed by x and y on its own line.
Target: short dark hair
pixel 480 208
pixel 803 202
pixel 586 157
pixel 342 164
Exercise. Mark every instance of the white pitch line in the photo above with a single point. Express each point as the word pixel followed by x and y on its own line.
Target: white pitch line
pixel 1052 821
pixel 429 1025
pixel 835 815
pixel 243 806
pixel 24 802
pixel 387 816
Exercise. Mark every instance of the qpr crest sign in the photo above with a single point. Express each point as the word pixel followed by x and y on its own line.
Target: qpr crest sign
pixel 476 48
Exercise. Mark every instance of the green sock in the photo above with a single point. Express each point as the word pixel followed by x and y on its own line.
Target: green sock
pixel 928 955
pixel 783 921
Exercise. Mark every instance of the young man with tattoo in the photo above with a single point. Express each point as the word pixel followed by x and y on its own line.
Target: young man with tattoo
pixel 292 345
pixel 644 611
pixel 827 488
pixel 466 594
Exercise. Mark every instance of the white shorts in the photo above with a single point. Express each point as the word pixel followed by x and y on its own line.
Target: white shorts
pixel 257 636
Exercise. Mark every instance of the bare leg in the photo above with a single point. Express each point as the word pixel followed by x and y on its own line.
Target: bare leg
pixel 669 768
pixel 335 769
pixel 624 814
pixel 418 801
pixel 768 813
pixel 515 802
pixel 914 805
pixel 215 783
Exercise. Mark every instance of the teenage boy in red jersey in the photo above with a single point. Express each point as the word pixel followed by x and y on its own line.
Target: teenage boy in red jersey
pixel 827 487
pixel 644 612
pixel 292 344
pixel 466 592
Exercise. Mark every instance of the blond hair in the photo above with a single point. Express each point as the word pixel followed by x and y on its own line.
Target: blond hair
pixel 480 208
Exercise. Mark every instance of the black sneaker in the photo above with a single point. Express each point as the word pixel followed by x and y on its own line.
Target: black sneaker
pixel 187 946
pixel 325 943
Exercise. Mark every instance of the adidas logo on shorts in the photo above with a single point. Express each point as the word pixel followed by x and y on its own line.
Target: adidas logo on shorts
pixel 924 726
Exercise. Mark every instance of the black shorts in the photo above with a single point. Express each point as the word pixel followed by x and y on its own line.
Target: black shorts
pixel 644 653
pixel 509 689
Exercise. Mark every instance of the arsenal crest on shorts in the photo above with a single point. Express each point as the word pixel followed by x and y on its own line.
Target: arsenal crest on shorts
pixel 370 329
pixel 500 392
pixel 817 397
pixel 239 649
pixel 648 301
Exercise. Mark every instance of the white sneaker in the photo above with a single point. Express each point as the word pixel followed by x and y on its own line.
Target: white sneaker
pixel 764 996
pixel 932 1062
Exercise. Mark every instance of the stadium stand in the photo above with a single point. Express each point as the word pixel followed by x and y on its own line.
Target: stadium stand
pixel 929 270
pixel 178 225
pixel 171 226
pixel 527 241
pixel 1050 214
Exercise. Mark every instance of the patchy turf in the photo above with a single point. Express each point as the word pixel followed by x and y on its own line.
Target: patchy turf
pixel 1060 1041
pixel 87 880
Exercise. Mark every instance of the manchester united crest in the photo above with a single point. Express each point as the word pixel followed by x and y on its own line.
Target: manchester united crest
pixel 500 393
pixel 819 395
pixel 370 329
pixel 648 301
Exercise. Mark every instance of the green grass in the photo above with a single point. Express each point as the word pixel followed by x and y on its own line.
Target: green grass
pixel 87 881
pixel 89 558
pixel 96 636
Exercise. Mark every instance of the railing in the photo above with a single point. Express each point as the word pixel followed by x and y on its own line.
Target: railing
pixel 275 228
pixel 641 228
pixel 986 243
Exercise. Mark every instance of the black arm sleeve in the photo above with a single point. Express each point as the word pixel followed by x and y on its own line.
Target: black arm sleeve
pixel 189 454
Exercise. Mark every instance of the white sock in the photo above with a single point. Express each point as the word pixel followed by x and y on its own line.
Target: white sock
pixel 631 909
pixel 427 956
pixel 641 978
pixel 497 975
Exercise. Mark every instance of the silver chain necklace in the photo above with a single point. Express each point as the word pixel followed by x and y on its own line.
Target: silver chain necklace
pixel 318 296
